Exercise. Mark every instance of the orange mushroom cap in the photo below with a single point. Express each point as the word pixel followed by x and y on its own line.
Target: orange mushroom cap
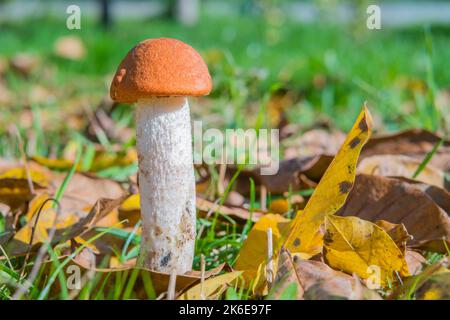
pixel 160 67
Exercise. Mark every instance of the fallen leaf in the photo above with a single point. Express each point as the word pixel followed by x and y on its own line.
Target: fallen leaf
pixel 68 227
pixel 102 160
pixel 254 249
pixel 354 246
pixel 279 101
pixel 3 65
pixel 317 281
pixel 212 287
pixel 314 142
pixel 402 166
pixel 415 143
pixel 285 276
pixel 130 210
pixel 15 188
pixel 415 262
pixel 206 206
pixel 397 201
pixel 400 236
pixel 84 190
pixel 397 232
pixel 293 175
pixel 54 164
pixel 331 192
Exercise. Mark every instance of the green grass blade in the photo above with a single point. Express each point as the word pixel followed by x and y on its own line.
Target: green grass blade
pixel 427 158
pixel 130 285
pixel 148 285
pixel 62 188
pixel 52 278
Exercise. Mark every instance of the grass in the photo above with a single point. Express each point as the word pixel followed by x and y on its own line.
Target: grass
pixel 247 56
pixel 331 69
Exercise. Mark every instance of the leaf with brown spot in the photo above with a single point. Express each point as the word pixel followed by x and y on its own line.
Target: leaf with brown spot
pixel 424 210
pixel 354 245
pixel 331 192
pixel 317 281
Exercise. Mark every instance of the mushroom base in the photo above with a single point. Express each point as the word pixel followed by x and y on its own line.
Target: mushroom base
pixel 166 183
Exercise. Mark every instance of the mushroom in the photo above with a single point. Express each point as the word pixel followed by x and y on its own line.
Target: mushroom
pixel 158 75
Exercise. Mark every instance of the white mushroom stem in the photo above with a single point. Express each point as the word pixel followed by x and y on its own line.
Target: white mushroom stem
pixel 166 183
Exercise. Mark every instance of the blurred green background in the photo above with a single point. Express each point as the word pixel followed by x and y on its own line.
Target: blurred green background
pixel 316 61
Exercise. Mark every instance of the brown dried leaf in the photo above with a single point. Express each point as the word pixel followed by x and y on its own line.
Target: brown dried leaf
pixel 297 173
pixel 415 143
pixel 67 226
pixel 314 143
pixel 397 201
pixel 206 206
pixel 84 190
pixel 401 166
pixel 415 262
pixel 317 281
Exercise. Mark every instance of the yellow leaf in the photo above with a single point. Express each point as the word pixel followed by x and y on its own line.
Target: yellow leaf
pixel 45 222
pixel 253 255
pixel 21 174
pixel 102 160
pixel 130 210
pixel 212 287
pixel 36 204
pixel 358 246
pixel 58 164
pixel 258 282
pixel 14 186
pixel 131 203
pixel 331 192
pixel 254 249
pixel 68 225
